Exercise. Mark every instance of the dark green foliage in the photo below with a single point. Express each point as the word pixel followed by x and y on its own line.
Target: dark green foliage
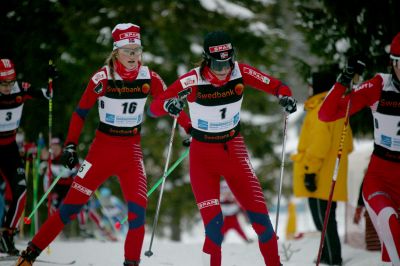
pixel 367 27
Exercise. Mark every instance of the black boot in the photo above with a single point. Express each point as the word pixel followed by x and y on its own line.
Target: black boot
pixel 7 242
pixel 131 262
pixel 29 255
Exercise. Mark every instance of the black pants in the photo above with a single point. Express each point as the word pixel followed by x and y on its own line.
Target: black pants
pixel 13 171
pixel 331 253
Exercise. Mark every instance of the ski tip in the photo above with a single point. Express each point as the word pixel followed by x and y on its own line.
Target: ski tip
pixel 27 220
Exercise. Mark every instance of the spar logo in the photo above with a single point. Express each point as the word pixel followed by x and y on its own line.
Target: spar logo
pixel 129 35
pixel 82 189
pixel 220 48
pixel 188 81
pixel 99 76
pixel 257 75
pixel 208 203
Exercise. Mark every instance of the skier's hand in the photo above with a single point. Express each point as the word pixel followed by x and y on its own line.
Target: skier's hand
pixel 174 106
pixel 289 103
pixel 310 182
pixel 355 65
pixel 69 157
pixel 186 142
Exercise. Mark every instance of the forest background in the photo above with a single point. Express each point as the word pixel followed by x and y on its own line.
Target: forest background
pixel 287 39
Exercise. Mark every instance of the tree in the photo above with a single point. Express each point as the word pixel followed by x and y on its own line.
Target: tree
pixel 326 27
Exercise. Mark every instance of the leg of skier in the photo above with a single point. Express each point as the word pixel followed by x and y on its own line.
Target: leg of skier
pixel 381 197
pixel 133 184
pixel 246 187
pixel 205 174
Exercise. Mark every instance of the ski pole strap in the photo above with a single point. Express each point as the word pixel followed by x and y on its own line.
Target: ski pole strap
pixel 45 194
pixel 159 181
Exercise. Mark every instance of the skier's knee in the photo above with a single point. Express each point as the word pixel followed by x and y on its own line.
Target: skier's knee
pixel 68 212
pixel 213 229
pixel 137 211
pixel 262 225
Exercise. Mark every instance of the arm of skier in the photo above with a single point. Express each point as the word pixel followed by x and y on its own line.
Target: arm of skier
pixel 335 103
pixel 93 91
pixel 158 89
pixel 261 81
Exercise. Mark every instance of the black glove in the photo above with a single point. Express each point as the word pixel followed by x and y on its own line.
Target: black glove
pixel 288 103
pixel 52 71
pixel 355 65
pixel 186 142
pixel 310 182
pixel 174 106
pixel 69 158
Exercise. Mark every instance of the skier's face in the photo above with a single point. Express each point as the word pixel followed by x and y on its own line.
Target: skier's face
pixel 396 67
pixel 130 55
pixel 6 86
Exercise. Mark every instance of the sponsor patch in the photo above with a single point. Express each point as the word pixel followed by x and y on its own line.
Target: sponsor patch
pixel 129 35
pixel 110 118
pixel 208 203
pixel 364 86
pixel 85 166
pixel 220 48
pixel 98 88
pixel 257 75
pixel 99 76
pixel 189 81
pixel 81 189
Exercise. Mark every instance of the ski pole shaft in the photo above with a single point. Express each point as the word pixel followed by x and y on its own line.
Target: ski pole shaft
pixel 149 252
pixel 334 178
pixel 282 170
pixel 159 181
pixel 50 121
pixel 104 211
pixel 27 219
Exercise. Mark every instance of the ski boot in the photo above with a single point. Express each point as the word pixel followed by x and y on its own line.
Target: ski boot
pixel 28 256
pixel 7 242
pixel 131 262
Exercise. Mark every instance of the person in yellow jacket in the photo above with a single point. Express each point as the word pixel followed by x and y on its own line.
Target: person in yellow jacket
pixel 314 165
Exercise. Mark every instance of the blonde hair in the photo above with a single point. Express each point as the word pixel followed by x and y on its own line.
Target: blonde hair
pixel 110 62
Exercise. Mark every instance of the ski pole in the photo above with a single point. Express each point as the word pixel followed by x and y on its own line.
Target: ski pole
pixel 282 169
pixel 27 220
pixel 157 184
pixel 104 211
pixel 149 253
pixel 49 160
pixel 334 177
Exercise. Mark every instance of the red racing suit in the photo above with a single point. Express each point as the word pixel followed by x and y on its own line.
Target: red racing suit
pixel 12 168
pixel 381 189
pixel 218 149
pixel 116 150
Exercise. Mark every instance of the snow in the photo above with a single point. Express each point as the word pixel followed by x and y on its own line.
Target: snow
pixel 302 252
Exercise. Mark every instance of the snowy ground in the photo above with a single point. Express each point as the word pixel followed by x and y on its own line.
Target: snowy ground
pixel 300 252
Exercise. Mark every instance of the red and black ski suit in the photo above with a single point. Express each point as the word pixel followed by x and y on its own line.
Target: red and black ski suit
pixel 218 149
pixel 381 189
pixel 115 151
pixel 12 167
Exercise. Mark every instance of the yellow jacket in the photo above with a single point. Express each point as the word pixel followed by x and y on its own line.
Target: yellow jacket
pixel 317 149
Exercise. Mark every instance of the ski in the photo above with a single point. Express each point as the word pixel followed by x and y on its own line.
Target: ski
pixel 14 258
